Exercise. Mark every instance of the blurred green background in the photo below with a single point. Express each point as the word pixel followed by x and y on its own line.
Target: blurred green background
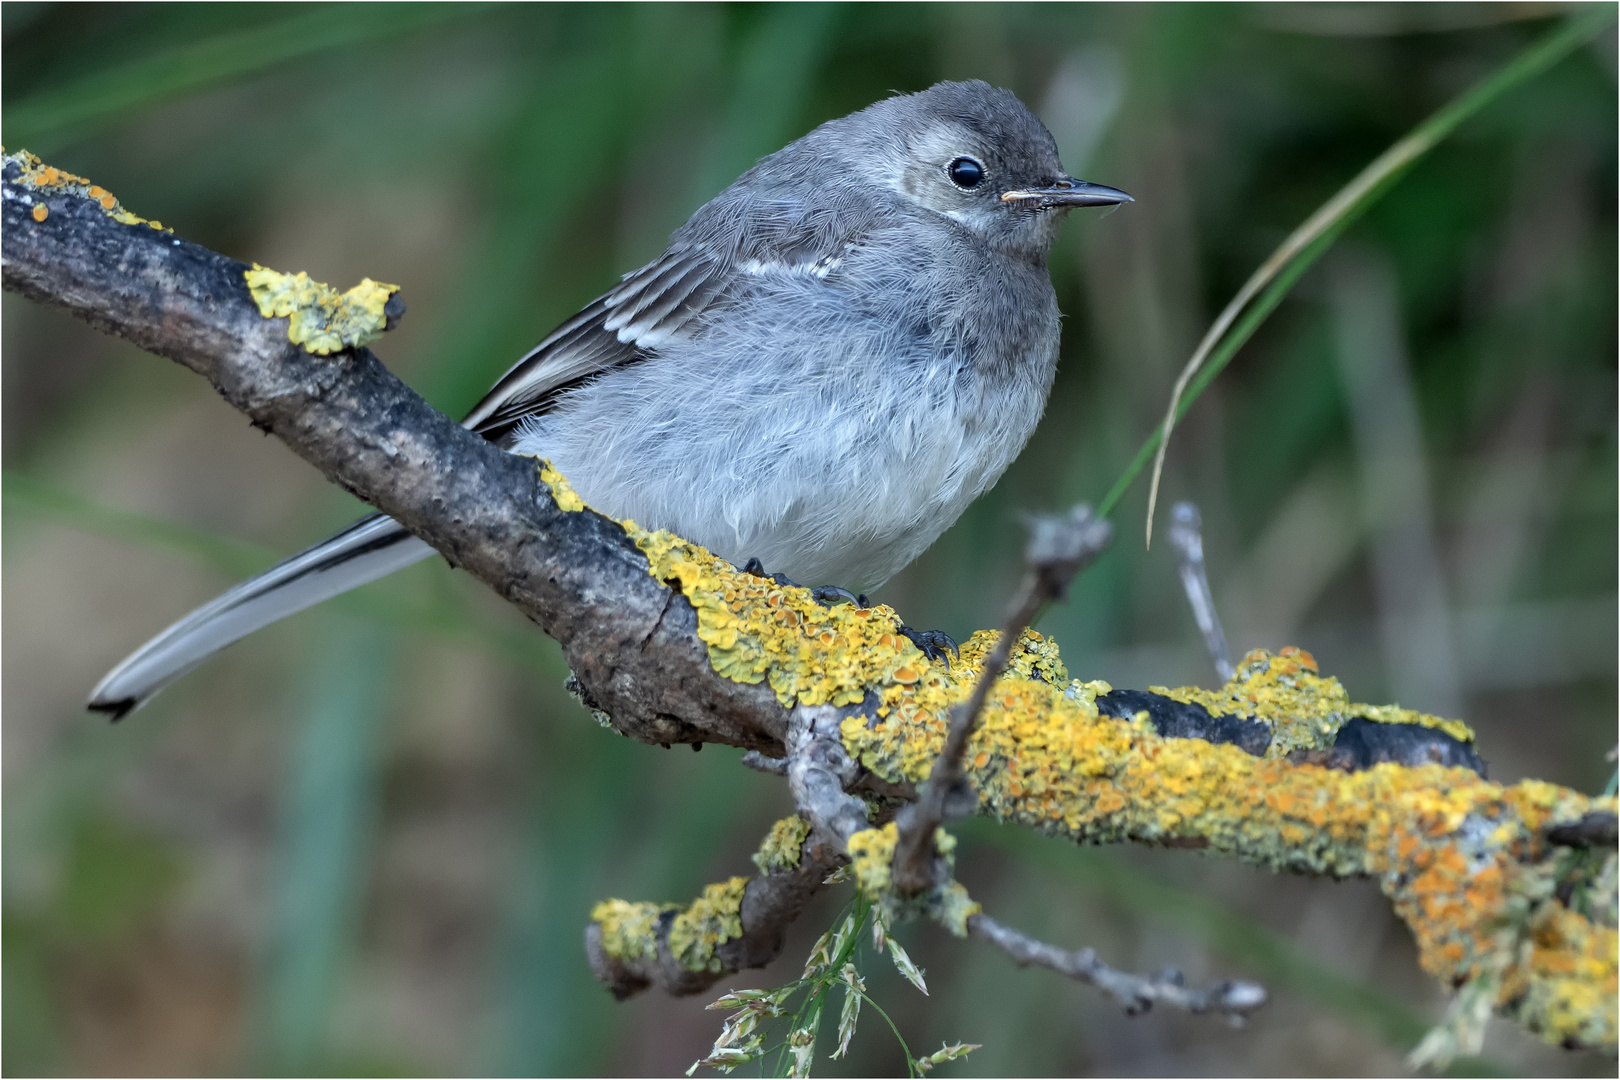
pixel 366 841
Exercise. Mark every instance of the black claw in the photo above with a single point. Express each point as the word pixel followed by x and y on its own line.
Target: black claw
pixel 757 568
pixel 935 644
pixel 862 602
pixel 828 595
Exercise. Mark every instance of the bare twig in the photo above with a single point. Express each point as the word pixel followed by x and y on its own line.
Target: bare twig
pixel 1233 1000
pixel 1186 535
pixel 820 772
pixel 1059 546
pixel 1596 829
pixel 760 763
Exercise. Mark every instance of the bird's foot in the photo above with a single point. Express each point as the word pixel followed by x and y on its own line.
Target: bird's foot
pixel 757 568
pixel 828 595
pixel 935 644
pixel 825 595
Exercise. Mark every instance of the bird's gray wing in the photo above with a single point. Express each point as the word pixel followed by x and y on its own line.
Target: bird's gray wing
pixel 660 302
pixel 729 243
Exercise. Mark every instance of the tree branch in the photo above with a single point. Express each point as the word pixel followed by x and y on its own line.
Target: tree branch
pixel 1278 767
pixel 736 924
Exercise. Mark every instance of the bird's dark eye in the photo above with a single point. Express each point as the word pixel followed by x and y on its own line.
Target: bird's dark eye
pixel 965 172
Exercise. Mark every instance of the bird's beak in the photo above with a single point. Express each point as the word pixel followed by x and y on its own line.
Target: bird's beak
pixel 1067 192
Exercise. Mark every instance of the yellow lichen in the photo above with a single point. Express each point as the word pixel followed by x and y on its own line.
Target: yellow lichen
pixel 783 845
pixel 870 853
pixel 561 490
pixel 712 920
pixel 953 907
pixel 320 318
pixel 1463 861
pixel 1304 709
pixel 630 931
pixel 47 178
pixel 758 631
pixel 1569 988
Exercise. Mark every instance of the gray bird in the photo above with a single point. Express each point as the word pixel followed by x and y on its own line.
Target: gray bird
pixel 833 358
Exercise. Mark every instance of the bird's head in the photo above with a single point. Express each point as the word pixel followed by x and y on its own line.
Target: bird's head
pixel 974 154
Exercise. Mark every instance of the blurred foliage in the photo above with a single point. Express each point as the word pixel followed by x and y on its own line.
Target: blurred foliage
pixel 366 841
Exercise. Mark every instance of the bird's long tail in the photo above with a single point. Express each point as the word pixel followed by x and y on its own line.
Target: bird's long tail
pixel 371 548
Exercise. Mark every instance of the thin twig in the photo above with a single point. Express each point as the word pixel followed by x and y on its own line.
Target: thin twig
pixel 761 763
pixel 1058 548
pixel 1354 198
pixel 1187 536
pixel 1234 1000
pixel 820 773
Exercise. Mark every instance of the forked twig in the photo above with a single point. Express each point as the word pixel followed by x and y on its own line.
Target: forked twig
pixel 1059 546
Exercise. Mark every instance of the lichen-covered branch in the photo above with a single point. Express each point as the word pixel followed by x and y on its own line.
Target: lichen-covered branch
pixel 673 644
pixel 1059 546
pixel 734 925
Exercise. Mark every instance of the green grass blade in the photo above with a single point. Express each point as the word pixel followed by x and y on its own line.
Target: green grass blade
pixel 47 116
pixel 1306 243
pixel 1218 359
pixel 30 496
pixel 327 812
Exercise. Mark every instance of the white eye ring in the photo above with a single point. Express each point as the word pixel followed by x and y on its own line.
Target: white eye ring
pixel 965 172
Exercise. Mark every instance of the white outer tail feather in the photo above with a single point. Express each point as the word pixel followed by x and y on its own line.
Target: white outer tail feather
pixel 371 548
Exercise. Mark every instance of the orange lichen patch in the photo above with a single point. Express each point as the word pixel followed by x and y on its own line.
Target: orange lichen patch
pixel 1305 709
pixel 1569 988
pixel 49 179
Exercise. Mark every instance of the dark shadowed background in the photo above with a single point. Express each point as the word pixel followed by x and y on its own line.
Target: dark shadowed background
pixel 367 840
